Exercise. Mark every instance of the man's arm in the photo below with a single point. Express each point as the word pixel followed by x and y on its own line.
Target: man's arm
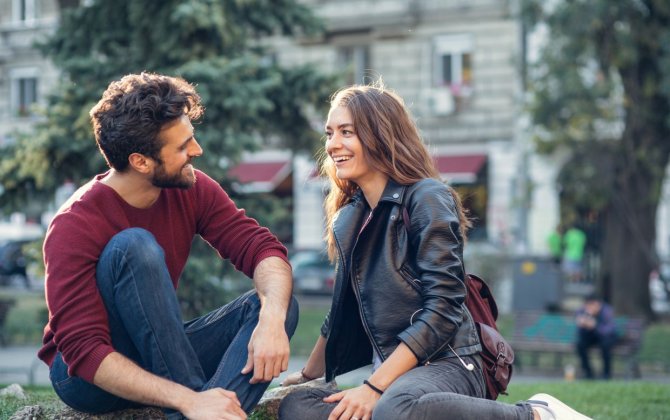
pixel 120 376
pixel 268 347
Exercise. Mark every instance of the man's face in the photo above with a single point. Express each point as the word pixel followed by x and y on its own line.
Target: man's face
pixel 592 307
pixel 179 146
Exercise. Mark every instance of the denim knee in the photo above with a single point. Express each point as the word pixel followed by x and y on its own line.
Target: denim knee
pixel 133 244
pixel 136 241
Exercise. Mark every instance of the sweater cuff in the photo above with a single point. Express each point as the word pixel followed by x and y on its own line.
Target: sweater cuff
pixel 89 365
pixel 272 252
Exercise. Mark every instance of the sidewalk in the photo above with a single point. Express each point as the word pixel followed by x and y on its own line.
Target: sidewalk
pixel 17 364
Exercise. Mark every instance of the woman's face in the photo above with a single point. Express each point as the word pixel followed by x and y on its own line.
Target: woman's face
pixel 345 148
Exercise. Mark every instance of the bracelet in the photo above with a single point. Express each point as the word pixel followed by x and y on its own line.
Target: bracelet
pixel 372 387
pixel 302 373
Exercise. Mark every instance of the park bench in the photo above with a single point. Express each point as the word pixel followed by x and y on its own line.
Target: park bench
pixel 538 333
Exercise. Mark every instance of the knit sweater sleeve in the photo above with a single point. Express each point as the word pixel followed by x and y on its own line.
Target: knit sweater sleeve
pixel 230 231
pixel 78 324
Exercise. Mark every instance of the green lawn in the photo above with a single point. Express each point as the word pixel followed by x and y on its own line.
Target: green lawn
pixel 601 400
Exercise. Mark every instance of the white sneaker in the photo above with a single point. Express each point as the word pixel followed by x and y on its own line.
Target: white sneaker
pixel 551 408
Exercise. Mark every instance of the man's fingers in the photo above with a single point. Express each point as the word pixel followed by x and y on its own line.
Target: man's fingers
pixel 232 396
pixel 250 362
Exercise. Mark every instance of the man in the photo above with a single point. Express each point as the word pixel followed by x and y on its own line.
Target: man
pixel 596 327
pixel 113 257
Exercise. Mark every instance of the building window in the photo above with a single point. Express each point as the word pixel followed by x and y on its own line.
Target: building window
pixel 24 94
pixel 24 11
pixel 453 63
pixel 355 61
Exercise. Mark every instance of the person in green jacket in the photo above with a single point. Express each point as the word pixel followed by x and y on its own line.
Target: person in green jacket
pixel 574 241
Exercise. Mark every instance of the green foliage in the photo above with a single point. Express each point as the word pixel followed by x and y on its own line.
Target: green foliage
pixel 601 97
pixel 251 101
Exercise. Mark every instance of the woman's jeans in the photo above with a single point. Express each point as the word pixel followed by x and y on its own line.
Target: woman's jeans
pixel 443 389
pixel 146 326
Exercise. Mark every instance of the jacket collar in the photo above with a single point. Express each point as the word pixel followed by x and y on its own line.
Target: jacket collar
pixel 393 192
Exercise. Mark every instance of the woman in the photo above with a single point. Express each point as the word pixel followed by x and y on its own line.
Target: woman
pixel 399 294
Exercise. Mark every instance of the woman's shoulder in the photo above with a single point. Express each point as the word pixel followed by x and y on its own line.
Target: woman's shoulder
pixel 430 189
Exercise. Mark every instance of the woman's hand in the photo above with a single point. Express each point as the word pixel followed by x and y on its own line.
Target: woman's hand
pixel 294 378
pixel 355 404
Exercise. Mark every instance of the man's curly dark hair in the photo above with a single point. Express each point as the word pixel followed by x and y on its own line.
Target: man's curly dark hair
pixel 132 111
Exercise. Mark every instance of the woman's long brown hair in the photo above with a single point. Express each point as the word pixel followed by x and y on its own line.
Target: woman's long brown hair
pixel 391 144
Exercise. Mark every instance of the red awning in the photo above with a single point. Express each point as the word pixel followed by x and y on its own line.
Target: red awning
pixel 460 169
pixel 260 176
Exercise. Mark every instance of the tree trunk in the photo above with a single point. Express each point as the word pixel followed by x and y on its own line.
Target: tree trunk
pixel 628 255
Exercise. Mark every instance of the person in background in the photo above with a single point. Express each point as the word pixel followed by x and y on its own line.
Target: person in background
pixel 574 242
pixel 396 232
pixel 595 328
pixel 113 256
pixel 555 243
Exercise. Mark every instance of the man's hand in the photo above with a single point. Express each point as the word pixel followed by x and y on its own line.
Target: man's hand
pixel 215 403
pixel 268 346
pixel 268 351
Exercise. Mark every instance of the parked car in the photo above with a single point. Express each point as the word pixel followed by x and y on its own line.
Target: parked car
pixel 312 272
pixel 13 263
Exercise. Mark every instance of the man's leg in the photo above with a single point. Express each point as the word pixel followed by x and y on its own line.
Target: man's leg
pixel 606 344
pixel 584 341
pixel 144 320
pixel 220 340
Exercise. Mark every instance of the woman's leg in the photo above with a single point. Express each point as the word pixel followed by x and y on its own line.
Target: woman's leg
pixel 307 404
pixel 445 388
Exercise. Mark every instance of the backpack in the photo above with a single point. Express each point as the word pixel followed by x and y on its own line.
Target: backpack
pixel 497 355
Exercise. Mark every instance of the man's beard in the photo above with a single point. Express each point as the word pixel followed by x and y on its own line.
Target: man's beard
pixel 162 179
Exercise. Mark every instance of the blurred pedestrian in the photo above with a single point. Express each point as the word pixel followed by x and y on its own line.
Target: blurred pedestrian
pixel 574 242
pixel 555 243
pixel 596 327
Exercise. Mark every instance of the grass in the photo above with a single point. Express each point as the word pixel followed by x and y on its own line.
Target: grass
pixel 614 400
pixel 37 395
pixel 309 328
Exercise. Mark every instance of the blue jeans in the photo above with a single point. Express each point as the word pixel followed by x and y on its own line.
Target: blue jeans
pixel 443 389
pixel 146 326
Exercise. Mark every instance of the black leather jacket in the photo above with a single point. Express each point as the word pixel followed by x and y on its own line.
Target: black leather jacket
pixel 393 285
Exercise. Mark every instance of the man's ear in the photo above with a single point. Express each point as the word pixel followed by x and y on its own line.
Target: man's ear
pixel 141 163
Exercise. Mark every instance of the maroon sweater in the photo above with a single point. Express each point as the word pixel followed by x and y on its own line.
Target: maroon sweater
pixel 78 325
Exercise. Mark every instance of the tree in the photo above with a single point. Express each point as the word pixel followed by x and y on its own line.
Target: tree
pixel 601 90
pixel 251 101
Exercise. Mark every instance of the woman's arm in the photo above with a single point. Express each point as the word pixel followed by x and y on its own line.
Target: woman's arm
pixel 314 368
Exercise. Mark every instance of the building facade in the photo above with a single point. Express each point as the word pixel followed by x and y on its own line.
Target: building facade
pixel 26 77
pixel 459 66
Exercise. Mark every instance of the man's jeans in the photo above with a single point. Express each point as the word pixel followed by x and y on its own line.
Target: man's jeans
pixel 443 389
pixel 590 338
pixel 146 326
